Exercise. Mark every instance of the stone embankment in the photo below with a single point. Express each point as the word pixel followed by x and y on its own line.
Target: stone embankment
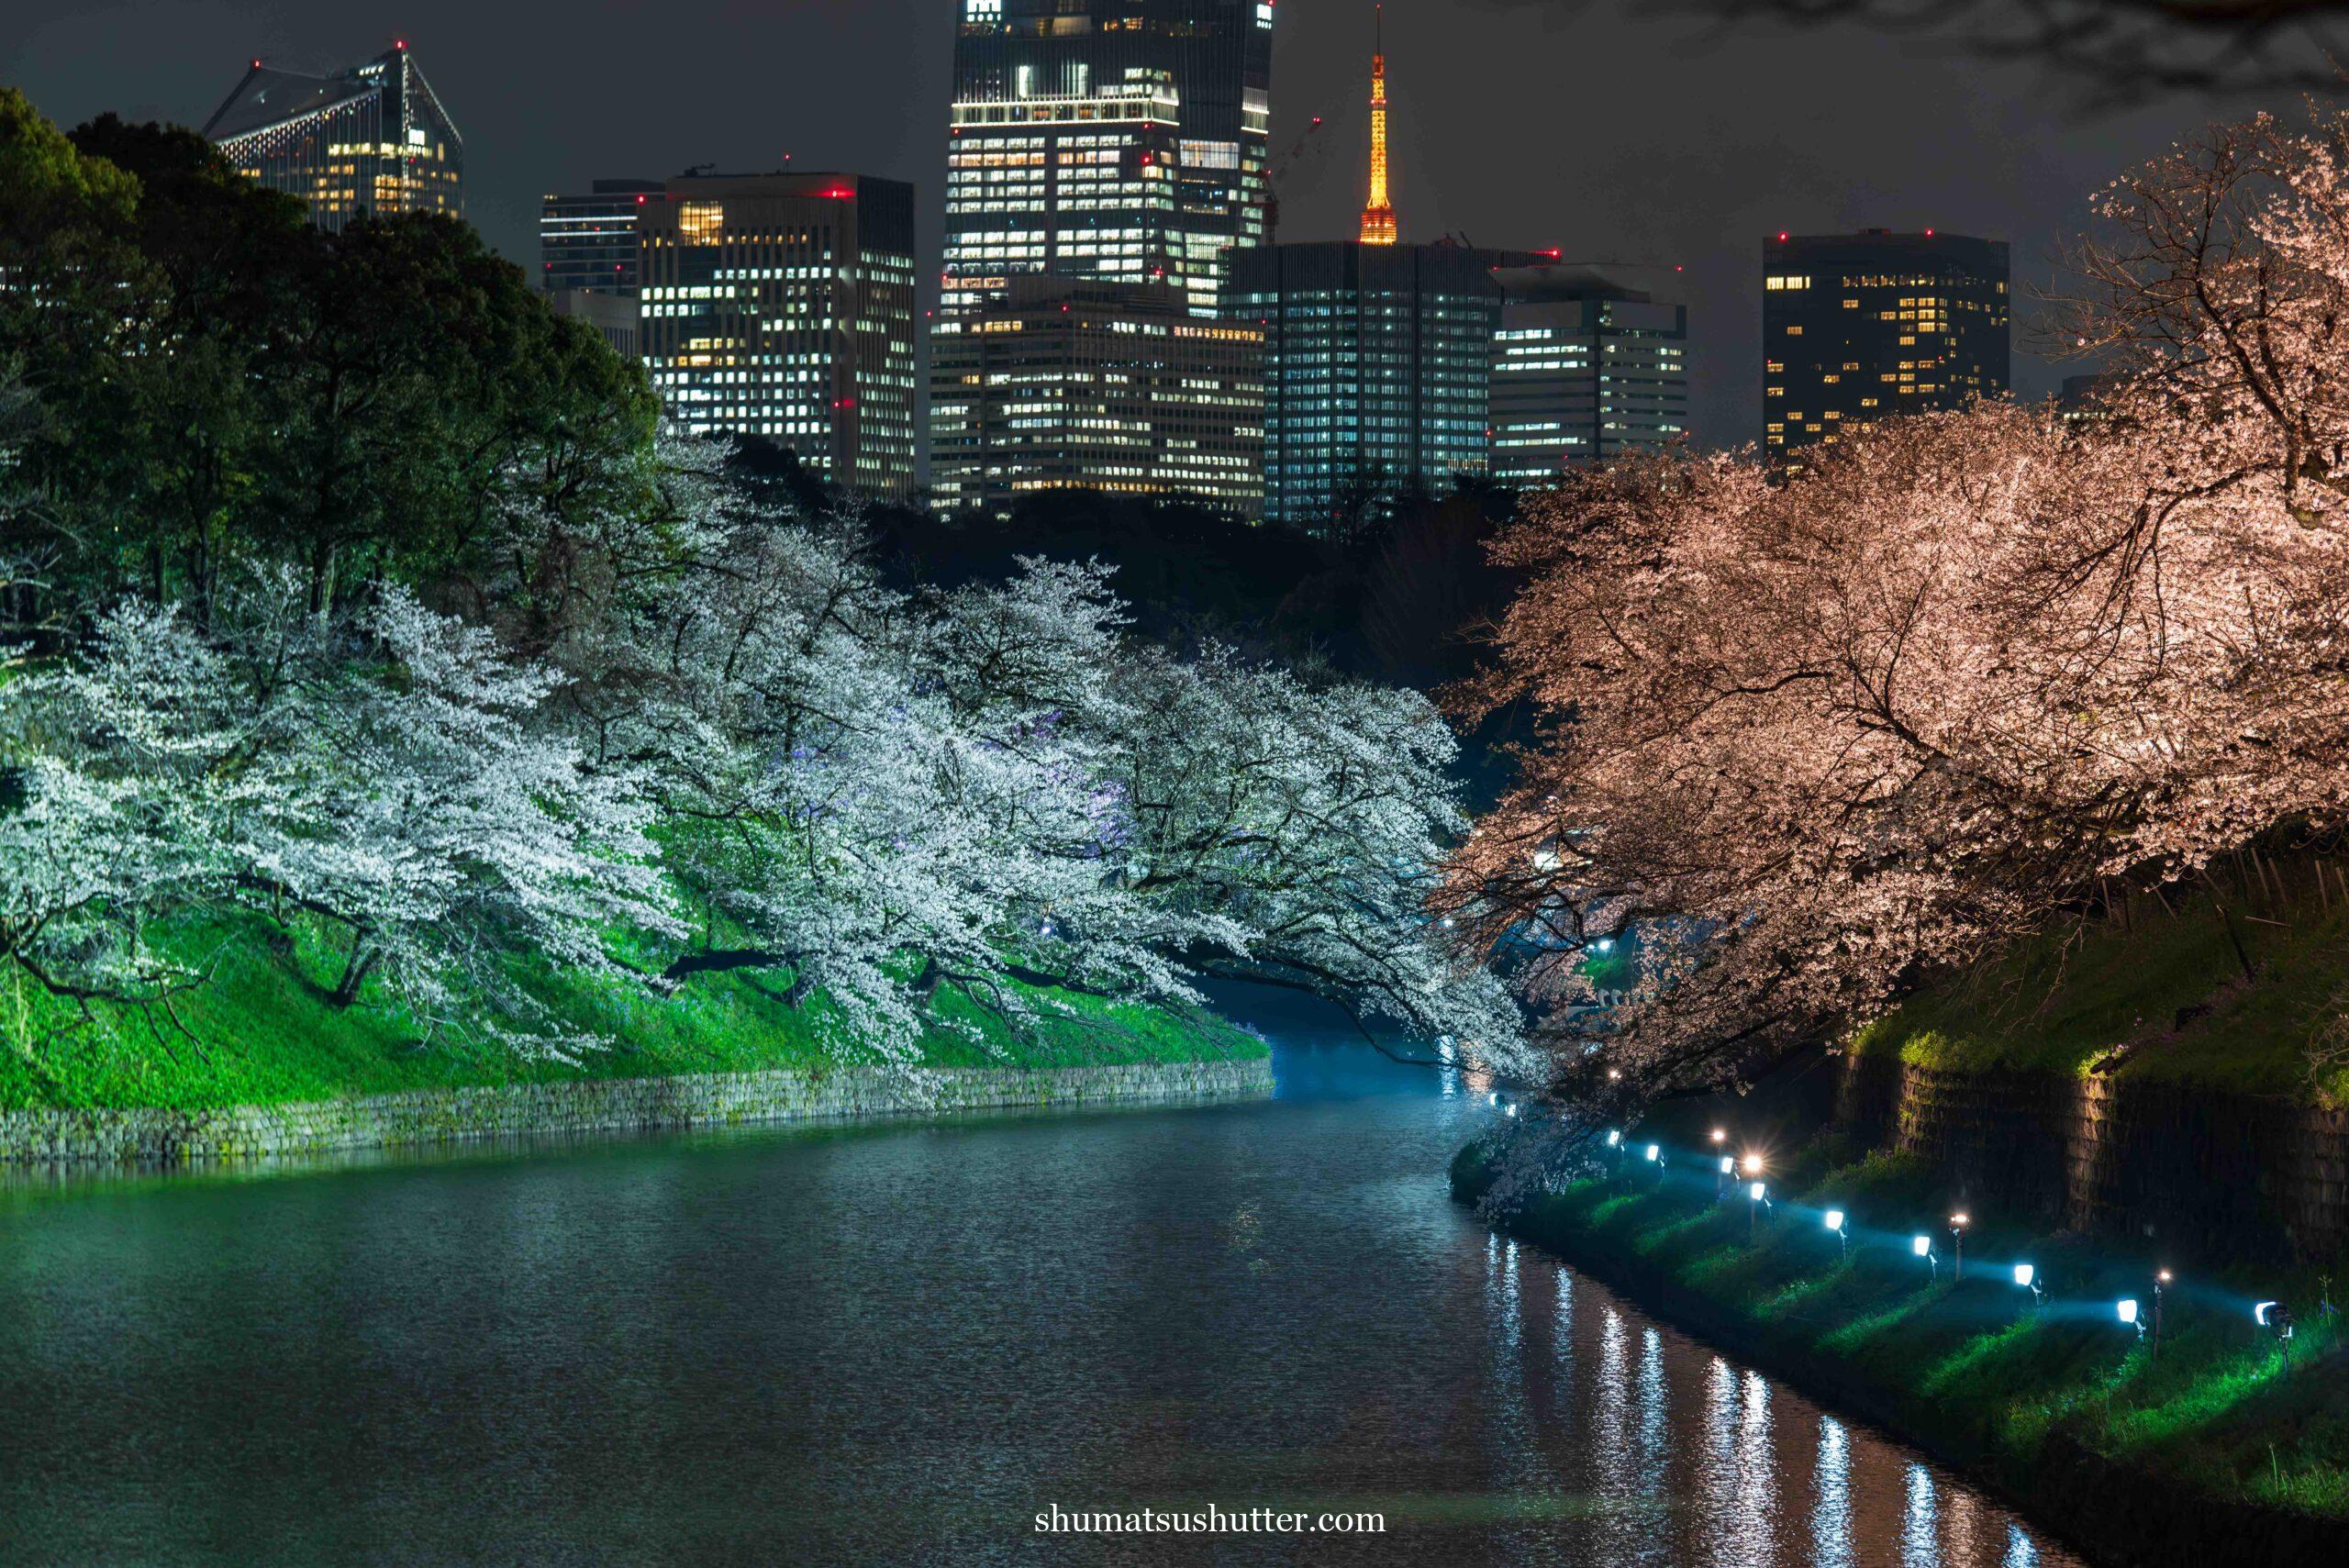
pixel 425 1117
pixel 2228 1174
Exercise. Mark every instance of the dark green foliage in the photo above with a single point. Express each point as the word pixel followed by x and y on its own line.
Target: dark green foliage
pixel 221 384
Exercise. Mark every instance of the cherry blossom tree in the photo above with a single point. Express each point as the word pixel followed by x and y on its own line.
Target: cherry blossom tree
pixel 1813 741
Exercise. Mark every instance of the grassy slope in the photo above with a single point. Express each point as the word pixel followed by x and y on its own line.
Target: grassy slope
pixel 262 1031
pixel 2063 1002
pixel 1968 1367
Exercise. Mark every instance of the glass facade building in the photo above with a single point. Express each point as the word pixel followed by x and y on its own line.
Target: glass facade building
pixel 370 139
pixel 1109 138
pixel 587 243
pixel 1377 370
pixel 1072 384
pixel 1858 328
pixel 1584 368
pixel 783 305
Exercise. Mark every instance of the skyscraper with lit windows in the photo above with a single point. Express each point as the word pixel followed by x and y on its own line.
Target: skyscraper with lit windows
pixel 1859 327
pixel 587 242
pixel 1077 384
pixel 1121 140
pixel 369 141
pixel 1585 369
pixel 783 305
pixel 1377 371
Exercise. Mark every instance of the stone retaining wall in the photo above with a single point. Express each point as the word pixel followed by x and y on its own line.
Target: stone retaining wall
pixel 2228 1172
pixel 615 1104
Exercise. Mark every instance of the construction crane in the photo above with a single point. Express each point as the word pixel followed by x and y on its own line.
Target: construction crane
pixel 1278 168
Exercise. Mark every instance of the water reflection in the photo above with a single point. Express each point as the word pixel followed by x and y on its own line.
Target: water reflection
pixel 1830 1517
pixel 898 1345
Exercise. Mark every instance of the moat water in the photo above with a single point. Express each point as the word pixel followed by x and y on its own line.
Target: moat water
pixel 899 1344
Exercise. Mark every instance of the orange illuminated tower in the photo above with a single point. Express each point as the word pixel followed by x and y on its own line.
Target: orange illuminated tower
pixel 1377 217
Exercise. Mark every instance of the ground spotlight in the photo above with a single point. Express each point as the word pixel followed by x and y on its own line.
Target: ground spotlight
pixel 2126 1310
pixel 2027 1277
pixel 1922 1247
pixel 1842 1233
pixel 2277 1318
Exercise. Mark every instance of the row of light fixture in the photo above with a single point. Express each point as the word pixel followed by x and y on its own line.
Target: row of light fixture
pixel 2271 1317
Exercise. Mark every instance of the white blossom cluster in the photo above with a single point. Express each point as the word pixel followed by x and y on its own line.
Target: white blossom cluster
pixel 716 740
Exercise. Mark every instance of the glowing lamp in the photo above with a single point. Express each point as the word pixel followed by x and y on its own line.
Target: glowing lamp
pixel 2126 1309
pixel 1729 1165
pixel 1754 1164
pixel 2262 1314
pixel 1835 1219
pixel 1922 1246
pixel 1718 1135
pixel 1653 1152
pixel 2025 1273
pixel 1614 1138
pixel 1512 1107
pixel 1756 1191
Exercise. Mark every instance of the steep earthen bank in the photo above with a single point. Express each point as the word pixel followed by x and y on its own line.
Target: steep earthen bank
pixel 423 1118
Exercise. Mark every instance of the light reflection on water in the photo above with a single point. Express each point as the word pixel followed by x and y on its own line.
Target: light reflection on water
pixel 895 1346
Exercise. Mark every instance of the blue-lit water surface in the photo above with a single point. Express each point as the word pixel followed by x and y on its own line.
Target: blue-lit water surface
pixel 898 1344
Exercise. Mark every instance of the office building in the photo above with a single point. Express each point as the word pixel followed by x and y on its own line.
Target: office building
pixel 1858 328
pixel 782 305
pixel 1071 383
pixel 615 317
pixel 369 141
pixel 587 243
pixel 1121 140
pixel 1377 370
pixel 1584 370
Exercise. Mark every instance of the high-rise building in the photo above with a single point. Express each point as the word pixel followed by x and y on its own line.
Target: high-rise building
pixel 1584 368
pixel 783 305
pixel 587 243
pixel 1110 138
pixel 1377 370
pixel 371 140
pixel 1857 328
pixel 1377 215
pixel 1069 383
pixel 615 317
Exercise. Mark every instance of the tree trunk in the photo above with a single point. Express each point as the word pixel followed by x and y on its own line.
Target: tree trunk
pixel 355 969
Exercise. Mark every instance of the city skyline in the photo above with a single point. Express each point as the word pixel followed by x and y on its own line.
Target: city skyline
pixel 1502 130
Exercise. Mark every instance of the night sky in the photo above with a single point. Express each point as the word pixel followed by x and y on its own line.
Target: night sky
pixel 1614 131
